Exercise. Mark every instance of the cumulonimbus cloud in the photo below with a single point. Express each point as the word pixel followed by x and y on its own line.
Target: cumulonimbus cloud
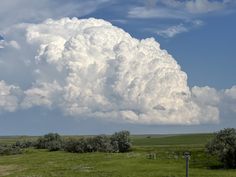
pixel 91 69
pixel 8 97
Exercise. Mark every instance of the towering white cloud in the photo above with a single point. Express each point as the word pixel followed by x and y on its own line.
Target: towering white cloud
pixel 91 69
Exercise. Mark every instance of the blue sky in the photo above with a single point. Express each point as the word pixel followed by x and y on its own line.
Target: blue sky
pixel 199 34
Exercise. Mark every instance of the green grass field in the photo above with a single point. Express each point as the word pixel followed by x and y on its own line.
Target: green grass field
pixel 169 161
pixel 157 140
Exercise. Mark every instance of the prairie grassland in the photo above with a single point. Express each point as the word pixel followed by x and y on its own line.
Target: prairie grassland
pixel 169 160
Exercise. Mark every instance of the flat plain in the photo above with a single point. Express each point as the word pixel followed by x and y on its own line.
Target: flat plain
pixel 168 150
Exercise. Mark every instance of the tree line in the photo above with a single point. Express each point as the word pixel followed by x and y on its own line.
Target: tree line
pixel 118 142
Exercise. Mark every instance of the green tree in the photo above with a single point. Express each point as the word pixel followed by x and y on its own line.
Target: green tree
pixel 223 145
pixel 50 141
pixel 121 140
pixel 10 150
pixel 103 144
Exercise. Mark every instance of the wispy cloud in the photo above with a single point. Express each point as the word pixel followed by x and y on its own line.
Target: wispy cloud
pixel 144 12
pixel 181 15
pixel 172 31
pixel 179 9
pixel 122 21
pixel 204 6
pixel 18 11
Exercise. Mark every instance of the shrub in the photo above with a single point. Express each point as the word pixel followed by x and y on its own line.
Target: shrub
pixel 103 144
pixel 51 141
pixel 80 145
pixel 69 145
pixel 75 145
pixel 121 141
pixel 118 142
pixel 223 145
pixel 9 150
pixel 24 144
pixel 54 145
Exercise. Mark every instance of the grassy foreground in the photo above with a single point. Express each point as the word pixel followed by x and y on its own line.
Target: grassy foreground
pixel 169 161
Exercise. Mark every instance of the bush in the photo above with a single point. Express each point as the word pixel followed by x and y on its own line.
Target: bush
pixel 69 145
pixel 223 145
pixel 24 144
pixel 54 145
pixel 118 142
pixel 81 145
pixel 51 141
pixel 103 144
pixel 121 141
pixel 75 145
pixel 9 150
